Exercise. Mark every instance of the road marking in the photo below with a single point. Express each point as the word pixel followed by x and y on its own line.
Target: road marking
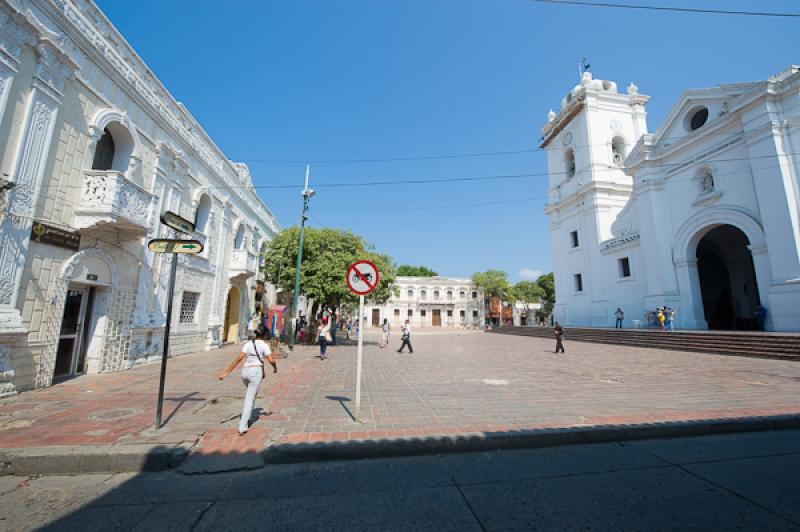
pixel 496 382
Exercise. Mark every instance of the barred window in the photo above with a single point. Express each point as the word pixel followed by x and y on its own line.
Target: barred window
pixel 189 306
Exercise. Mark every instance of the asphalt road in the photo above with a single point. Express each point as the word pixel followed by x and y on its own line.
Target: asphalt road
pixel 732 482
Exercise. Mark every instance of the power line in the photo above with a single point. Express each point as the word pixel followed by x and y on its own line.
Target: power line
pixel 391 159
pixel 674 9
pixel 437 207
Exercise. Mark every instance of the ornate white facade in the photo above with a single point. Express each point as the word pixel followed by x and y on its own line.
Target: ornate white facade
pixel 702 216
pixel 430 302
pixel 97 149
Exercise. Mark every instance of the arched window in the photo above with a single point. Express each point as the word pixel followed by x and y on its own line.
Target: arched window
pixel 238 242
pixel 569 161
pixel 449 295
pixel 436 295
pixel 104 152
pixel 202 214
pixel 462 295
pixel 114 148
pixel 423 294
pixel 618 151
pixel 410 294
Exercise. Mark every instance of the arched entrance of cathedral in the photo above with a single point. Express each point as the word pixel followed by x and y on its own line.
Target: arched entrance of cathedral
pixel 727 279
pixel 232 316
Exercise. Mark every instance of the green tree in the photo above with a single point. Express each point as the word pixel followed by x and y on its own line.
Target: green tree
pixel 527 292
pixel 327 253
pixel 548 287
pixel 407 270
pixel 493 283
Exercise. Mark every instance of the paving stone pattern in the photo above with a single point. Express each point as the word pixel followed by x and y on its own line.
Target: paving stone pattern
pixel 453 383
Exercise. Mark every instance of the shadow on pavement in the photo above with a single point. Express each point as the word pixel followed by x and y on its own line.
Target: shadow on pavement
pixel 341 400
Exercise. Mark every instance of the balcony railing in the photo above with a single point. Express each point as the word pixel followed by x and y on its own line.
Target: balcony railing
pixel 244 264
pixel 110 200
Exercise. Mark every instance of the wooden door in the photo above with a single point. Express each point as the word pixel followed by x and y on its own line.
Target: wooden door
pixel 376 317
pixel 437 317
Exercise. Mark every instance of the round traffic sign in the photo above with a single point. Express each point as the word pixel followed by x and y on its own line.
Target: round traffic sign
pixel 362 277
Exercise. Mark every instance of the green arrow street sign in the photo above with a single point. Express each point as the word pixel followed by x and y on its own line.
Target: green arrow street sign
pixel 162 245
pixel 170 219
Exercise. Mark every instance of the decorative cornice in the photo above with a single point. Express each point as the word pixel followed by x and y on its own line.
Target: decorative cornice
pixel 619 241
pixel 13 35
pixel 100 39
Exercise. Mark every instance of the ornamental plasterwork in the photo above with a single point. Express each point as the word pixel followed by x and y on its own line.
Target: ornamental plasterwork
pixel 619 241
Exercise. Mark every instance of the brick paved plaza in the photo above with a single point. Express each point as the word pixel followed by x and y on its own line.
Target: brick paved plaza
pixel 470 382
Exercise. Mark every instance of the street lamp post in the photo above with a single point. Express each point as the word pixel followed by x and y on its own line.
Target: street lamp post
pixel 307 195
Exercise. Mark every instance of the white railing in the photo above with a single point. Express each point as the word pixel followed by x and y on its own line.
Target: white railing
pixel 108 198
pixel 243 264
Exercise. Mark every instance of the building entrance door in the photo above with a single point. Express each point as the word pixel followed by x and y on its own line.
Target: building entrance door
pixel 437 317
pixel 727 279
pixel 71 334
pixel 376 317
pixel 232 316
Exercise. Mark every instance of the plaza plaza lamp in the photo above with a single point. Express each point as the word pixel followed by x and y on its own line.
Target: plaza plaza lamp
pixel 307 194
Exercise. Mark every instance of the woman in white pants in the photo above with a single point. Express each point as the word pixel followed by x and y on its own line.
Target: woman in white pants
pixel 254 352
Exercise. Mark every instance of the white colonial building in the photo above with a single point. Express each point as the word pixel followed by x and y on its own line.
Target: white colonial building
pixel 96 149
pixel 430 302
pixel 703 215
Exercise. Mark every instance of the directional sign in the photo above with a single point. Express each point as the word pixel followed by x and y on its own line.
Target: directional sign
pixel 362 277
pixel 170 219
pixel 161 245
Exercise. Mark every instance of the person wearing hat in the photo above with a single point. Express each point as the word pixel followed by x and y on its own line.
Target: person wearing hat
pixel 324 336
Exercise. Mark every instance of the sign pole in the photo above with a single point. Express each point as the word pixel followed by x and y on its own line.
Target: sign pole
pixel 360 353
pixel 170 293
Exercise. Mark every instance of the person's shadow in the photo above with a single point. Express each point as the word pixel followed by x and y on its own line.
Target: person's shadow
pixel 342 401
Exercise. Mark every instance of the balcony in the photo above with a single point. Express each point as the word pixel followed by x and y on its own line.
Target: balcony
pixel 243 265
pixel 110 201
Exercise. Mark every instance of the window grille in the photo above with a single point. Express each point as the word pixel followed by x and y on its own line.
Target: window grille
pixel 189 306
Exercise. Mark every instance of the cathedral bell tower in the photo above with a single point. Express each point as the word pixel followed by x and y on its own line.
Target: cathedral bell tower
pixel 586 144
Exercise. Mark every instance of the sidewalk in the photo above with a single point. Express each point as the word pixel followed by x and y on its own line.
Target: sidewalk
pixel 459 391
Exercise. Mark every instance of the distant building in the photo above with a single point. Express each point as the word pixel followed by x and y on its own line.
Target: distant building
pixel 96 149
pixel 702 216
pixel 431 302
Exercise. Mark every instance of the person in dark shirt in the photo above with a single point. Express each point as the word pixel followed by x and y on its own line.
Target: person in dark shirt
pixel 559 332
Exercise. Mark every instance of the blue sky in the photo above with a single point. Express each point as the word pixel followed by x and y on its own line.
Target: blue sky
pixel 334 80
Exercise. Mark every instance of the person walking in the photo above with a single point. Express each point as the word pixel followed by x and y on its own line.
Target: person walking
pixel 333 328
pixel 324 336
pixel 558 330
pixel 620 316
pixel 669 316
pixel 385 333
pixel 254 353
pixel 406 338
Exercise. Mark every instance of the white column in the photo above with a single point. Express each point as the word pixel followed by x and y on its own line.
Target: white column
pixel 52 69
pixel 143 317
pixel 223 218
pixel 763 270
pixel 689 315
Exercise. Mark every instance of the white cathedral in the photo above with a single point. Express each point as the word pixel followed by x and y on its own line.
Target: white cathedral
pixel 701 216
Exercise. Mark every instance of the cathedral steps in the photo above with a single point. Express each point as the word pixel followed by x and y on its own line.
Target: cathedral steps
pixel 784 346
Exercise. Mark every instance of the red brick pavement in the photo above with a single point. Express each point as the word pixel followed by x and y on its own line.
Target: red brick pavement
pixel 453 384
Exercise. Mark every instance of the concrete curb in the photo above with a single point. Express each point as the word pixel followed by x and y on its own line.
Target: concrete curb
pixel 84 459
pixel 76 460
pixel 471 442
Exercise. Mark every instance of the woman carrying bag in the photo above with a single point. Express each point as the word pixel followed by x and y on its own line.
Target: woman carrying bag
pixel 324 336
pixel 254 352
